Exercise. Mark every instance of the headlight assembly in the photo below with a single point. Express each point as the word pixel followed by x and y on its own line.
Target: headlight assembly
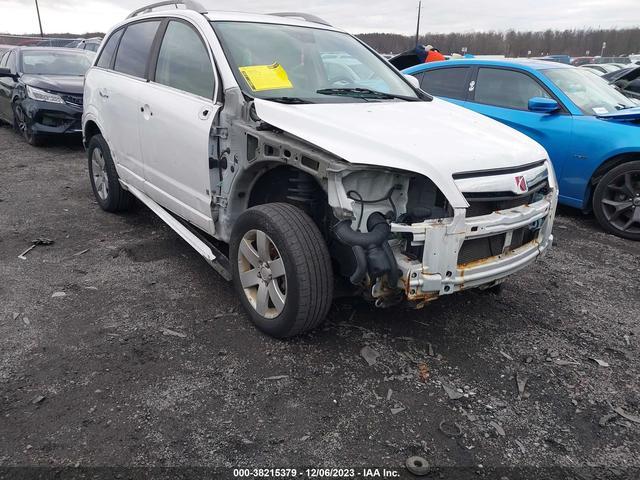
pixel 43 96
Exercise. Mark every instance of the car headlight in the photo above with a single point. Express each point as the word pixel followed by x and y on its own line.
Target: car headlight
pixel 43 96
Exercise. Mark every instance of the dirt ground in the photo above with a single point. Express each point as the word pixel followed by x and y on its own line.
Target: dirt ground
pixel 120 346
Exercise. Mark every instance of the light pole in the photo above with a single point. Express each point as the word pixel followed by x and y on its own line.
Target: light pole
pixel 604 45
pixel 39 22
pixel 418 26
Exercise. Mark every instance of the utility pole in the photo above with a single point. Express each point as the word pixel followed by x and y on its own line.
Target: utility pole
pixel 39 21
pixel 418 26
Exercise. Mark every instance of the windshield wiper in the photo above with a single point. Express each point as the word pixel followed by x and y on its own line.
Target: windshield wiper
pixel 291 100
pixel 358 92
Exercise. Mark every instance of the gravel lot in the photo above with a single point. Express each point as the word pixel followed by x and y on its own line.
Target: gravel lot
pixel 145 359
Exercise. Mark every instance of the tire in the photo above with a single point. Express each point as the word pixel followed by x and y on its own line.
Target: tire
pixel 297 301
pixel 104 179
pixel 616 201
pixel 21 125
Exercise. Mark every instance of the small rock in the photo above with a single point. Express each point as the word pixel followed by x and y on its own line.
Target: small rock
pixel 277 377
pixel 369 354
pixel 38 399
pixel 58 295
pixel 452 392
pixel 397 410
pixel 497 428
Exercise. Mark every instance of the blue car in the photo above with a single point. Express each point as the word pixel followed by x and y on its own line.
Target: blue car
pixel 590 130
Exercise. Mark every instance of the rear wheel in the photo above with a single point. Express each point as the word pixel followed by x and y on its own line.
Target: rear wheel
pixel 281 269
pixel 21 125
pixel 104 179
pixel 616 201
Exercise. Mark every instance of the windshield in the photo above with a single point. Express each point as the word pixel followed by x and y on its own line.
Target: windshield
pixel 302 64
pixel 591 94
pixel 48 62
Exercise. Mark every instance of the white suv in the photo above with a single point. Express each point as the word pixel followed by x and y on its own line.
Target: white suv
pixel 312 158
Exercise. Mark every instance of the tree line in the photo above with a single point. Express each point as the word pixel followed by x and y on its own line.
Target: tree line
pixel 516 44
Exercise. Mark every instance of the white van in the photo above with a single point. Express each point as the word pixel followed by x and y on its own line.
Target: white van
pixel 313 161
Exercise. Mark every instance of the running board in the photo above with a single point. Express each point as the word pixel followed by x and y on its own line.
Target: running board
pixel 209 252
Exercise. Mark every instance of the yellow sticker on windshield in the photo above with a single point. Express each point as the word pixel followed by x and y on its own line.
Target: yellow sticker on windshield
pixel 266 77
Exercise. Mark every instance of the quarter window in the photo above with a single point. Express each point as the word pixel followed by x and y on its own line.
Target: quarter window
pixel 446 82
pixel 109 50
pixel 183 61
pixel 506 88
pixel 135 47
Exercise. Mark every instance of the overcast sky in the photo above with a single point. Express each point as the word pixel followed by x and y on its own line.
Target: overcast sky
pixel 356 16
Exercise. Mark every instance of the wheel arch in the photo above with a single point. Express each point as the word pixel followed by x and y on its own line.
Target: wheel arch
pixel 90 129
pixel 610 163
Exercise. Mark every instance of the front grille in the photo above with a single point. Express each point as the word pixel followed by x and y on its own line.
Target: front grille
pixel 75 100
pixel 489 202
pixel 479 248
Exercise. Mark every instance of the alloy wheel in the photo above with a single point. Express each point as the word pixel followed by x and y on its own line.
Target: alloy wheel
pixel 621 202
pixel 262 273
pixel 100 176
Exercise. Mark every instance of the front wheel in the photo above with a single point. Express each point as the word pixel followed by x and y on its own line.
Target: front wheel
pixel 21 125
pixel 616 201
pixel 281 269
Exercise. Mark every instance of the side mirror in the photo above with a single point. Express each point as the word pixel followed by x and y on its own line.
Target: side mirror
pixel 543 105
pixel 413 81
pixel 5 72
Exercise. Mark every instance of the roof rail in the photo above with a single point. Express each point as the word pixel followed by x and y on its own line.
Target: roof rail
pixel 305 16
pixel 188 4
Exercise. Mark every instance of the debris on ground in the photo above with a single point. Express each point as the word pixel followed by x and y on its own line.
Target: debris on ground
pixel 423 372
pixel 606 419
pixel 369 354
pixel 397 410
pixel 81 252
pixel 16 315
pixel 453 393
pixel 521 382
pixel 450 429
pixel 499 430
pixel 277 377
pixel 38 399
pixel 26 321
pixel 506 355
pixel 417 465
pixel 564 363
pixel 521 446
pixel 389 393
pixel 430 347
pixel 58 294
pixel 173 333
pixel 602 363
pixel 34 244
pixel 620 411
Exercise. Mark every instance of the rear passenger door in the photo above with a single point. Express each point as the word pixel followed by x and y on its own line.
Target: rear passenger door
pixel 448 83
pixel 177 110
pixel 503 94
pixel 122 70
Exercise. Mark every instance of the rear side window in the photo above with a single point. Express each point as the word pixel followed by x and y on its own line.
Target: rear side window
pixel 109 50
pixel 506 88
pixel 446 82
pixel 135 47
pixel 183 61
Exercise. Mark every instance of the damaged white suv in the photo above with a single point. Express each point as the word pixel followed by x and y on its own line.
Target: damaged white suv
pixel 313 160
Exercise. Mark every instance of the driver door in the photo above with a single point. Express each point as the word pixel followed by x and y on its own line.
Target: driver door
pixel 176 114
pixel 503 94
